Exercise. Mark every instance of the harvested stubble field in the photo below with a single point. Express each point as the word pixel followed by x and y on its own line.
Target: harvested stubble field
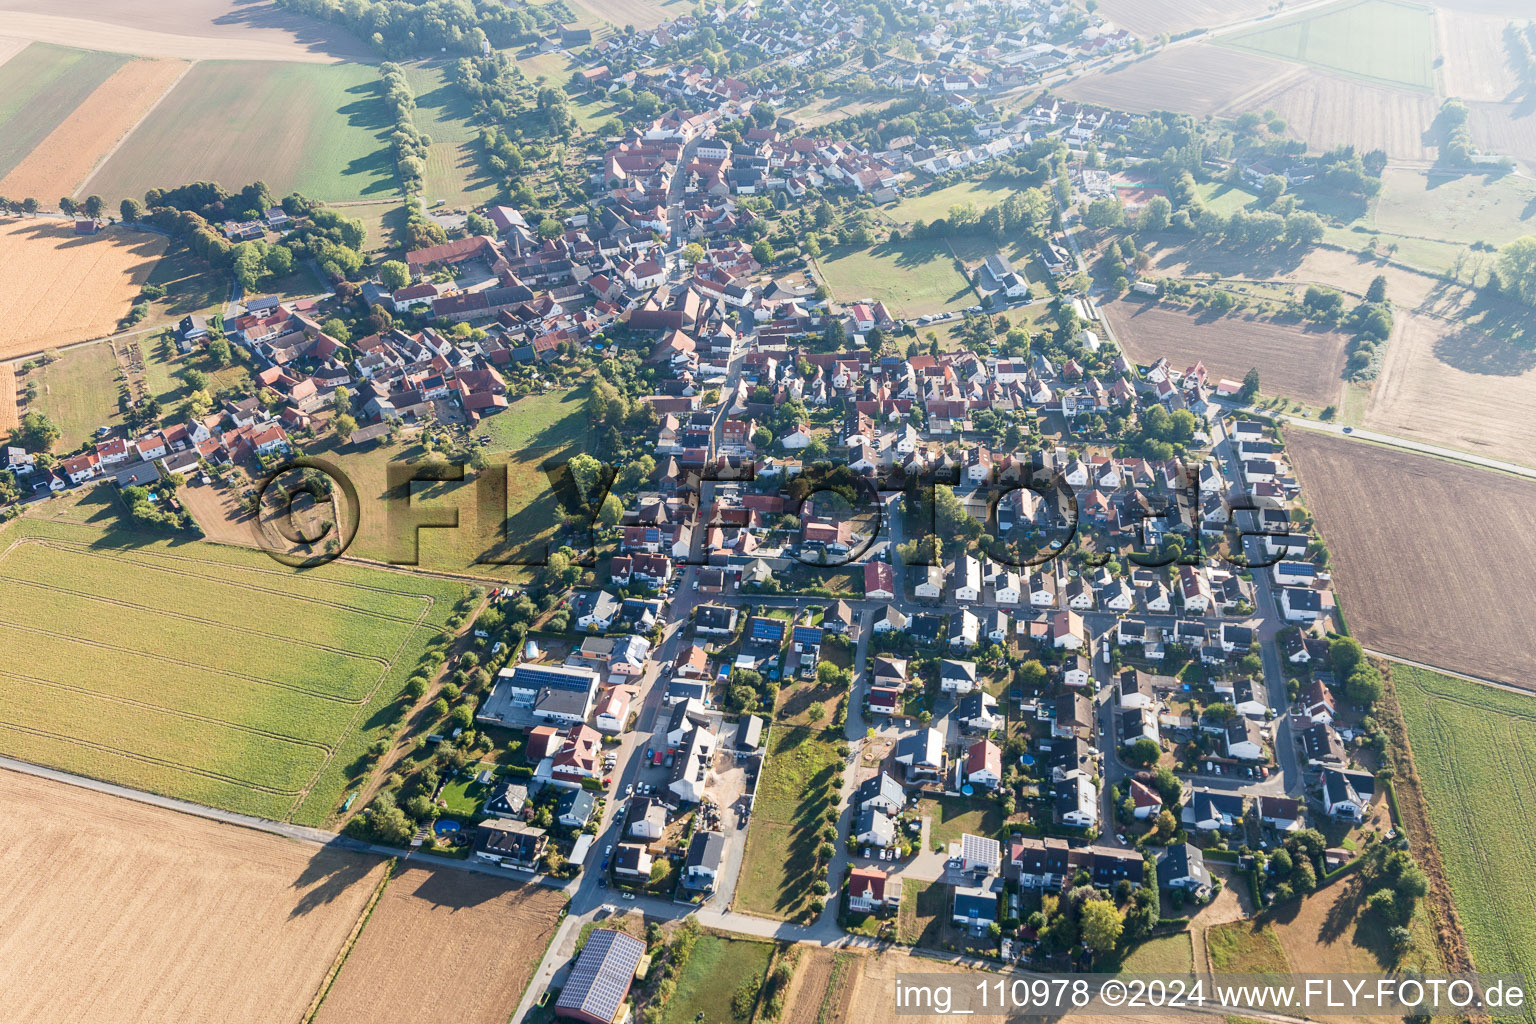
pixel 9 420
pixel 187 29
pixel 1293 361
pixel 202 672
pixel 1443 381
pixel 475 940
pixel 1148 18
pixel 66 157
pixel 1432 558
pixel 1326 110
pixel 123 912
pixel 1505 128
pixel 317 129
pixel 1198 79
pixel 1476 61
pixel 38 88
pixel 62 287
pixel 1474 749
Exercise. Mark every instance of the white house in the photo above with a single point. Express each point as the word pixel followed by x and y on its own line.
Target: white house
pixel 1347 794
pixel 957 677
pixel 1301 605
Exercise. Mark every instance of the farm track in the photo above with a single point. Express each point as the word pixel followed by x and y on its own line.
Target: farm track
pixel 102 645
pixel 162 709
pixel 149 759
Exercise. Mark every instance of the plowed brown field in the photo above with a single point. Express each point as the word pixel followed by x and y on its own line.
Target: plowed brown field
pixel 1432 559
pixel 64 159
pixel 1307 365
pixel 1197 79
pixel 123 913
pixel 62 288
pixel 474 943
pixel 1329 110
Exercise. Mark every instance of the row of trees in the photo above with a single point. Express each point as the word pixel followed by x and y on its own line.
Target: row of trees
pixel 402 28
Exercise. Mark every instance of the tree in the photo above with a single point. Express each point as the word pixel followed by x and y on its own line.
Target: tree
pixel 1271 189
pixel 394 274
pixel 1104 213
pixel 762 251
pixel 1250 385
pixel 693 252
pixel 1303 228
pixel 1101 925
pixel 220 353
pixel 1155 215
pixel 816 712
pixel 37 432
pixel 337 329
pixel 344 425
pixel 611 512
pixel 130 211
pixel 549 228
pixel 67 206
pixel 1377 292
pixel 1517 269
pixel 1364 685
pixel 1143 752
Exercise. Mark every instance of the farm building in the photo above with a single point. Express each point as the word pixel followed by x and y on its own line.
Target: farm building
pixel 600 981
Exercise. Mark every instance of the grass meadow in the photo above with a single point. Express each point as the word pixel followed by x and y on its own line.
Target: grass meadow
pixel 453 166
pixel 799 782
pixel 1390 42
pixel 911 277
pixel 319 129
pixel 1474 748
pixel 198 671
pixel 929 206
pixel 39 87
pixel 714 973
pixel 78 391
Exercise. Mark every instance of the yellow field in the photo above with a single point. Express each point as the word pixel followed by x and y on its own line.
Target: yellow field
pixel 119 912
pixel 62 288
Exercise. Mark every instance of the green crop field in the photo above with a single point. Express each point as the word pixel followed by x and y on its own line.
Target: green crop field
pixel 799 783
pixel 453 167
pixel 203 672
pixel 912 277
pixel 714 973
pixel 1385 41
pixel 1475 751
pixel 319 129
pixel 39 87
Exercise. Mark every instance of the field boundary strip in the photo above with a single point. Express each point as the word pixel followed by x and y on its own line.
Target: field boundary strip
pixel 345 952
pixel 160 762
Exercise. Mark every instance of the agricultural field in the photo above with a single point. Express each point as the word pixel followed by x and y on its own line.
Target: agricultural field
pixel 799 782
pixel 78 391
pixel 1390 42
pixel 453 168
pixel 642 14
pixel 1507 129
pixel 186 29
pixel 1414 581
pixel 1325 111
pixel 118 904
pixel 63 287
pixel 65 158
pixel 1474 749
pixel 1458 379
pixel 1148 18
pixel 911 277
pixel 9 418
pixel 1459 208
pixel 475 940
pixel 1198 79
pixel 179 670
pixel 822 989
pixel 1477 65
pixel 316 129
pixel 1297 362
pixel 39 87
pixel 717 969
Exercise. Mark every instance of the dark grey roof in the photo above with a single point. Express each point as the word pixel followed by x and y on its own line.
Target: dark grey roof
pixel 1181 861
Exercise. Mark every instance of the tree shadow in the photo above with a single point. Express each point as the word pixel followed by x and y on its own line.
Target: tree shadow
pixel 327 877
pixel 454 889
pixel 1474 351
pixel 313 35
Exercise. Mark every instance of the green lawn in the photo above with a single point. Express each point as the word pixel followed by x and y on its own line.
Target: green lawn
pixel 954 815
pixel 1385 41
pixel 320 129
pixel 911 277
pixel 1219 197
pixel 203 672
pixel 715 972
pixel 799 783
pixel 453 165
pixel 1244 947
pixel 1166 954
pixel 924 911
pixel 1475 751
pixel 39 87
pixel 78 391
pixel 932 205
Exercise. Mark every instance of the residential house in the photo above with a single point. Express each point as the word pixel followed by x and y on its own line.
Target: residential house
pixel 1183 867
